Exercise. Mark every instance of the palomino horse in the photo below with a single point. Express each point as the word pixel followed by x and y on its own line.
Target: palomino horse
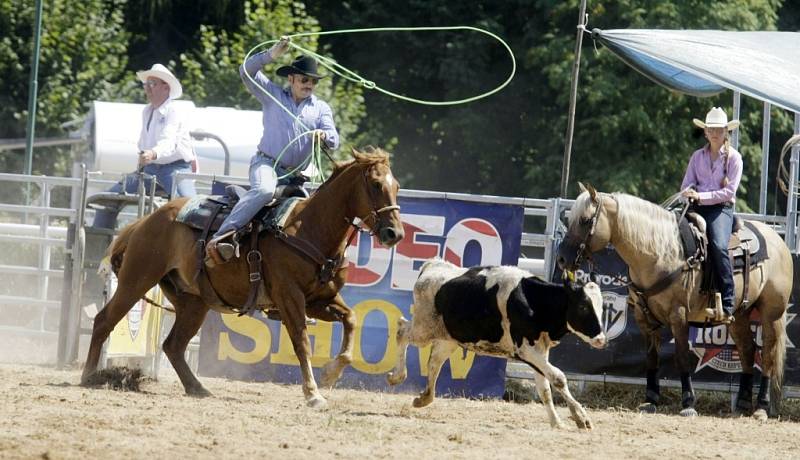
pixel 646 237
pixel 159 250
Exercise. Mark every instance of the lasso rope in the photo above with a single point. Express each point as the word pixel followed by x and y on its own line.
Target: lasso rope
pixel 336 68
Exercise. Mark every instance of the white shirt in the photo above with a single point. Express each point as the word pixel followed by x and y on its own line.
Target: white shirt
pixel 168 133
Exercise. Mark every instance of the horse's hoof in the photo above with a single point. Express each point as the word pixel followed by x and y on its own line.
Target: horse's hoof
pixel 395 378
pixel 583 424
pixel 422 402
pixel 328 380
pixel 743 407
pixel 317 402
pixel 688 412
pixel 760 415
pixel 330 374
pixel 648 408
pixel 198 393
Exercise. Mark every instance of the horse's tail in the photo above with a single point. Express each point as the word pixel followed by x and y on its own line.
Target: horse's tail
pixel 115 252
pixel 779 357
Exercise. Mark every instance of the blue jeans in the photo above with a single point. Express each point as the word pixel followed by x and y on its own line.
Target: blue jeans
pixel 263 182
pixel 164 175
pixel 719 225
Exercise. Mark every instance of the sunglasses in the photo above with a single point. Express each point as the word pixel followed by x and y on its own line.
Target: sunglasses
pixel 305 80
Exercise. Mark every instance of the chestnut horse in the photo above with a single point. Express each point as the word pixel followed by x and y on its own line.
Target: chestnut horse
pixel 646 237
pixel 158 250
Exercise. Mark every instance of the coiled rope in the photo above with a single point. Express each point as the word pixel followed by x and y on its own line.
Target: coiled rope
pixel 342 71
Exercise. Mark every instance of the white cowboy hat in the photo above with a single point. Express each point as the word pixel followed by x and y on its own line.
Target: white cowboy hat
pixel 717 118
pixel 162 73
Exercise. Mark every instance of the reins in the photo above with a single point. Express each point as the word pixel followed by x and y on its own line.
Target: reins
pixel 637 295
pixel 329 265
pixel 583 252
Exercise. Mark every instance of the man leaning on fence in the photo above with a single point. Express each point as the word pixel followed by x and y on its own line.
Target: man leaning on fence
pixel 165 147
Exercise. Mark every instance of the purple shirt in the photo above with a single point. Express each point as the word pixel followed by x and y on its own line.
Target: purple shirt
pixel 707 176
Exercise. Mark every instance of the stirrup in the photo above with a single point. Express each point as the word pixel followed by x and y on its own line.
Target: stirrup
pixel 718 314
pixel 722 318
pixel 218 252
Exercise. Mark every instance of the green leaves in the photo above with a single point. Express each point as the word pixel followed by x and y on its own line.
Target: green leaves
pixel 211 72
pixel 83 58
pixel 630 134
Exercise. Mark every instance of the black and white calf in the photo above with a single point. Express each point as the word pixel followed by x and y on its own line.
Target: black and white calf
pixel 500 311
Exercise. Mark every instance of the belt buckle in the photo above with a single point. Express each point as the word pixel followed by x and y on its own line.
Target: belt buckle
pixel 266 157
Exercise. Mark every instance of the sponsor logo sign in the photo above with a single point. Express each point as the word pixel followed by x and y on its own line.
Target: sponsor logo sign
pixel 715 348
pixel 379 290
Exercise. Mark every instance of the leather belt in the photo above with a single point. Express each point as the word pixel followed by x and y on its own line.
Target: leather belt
pixel 276 164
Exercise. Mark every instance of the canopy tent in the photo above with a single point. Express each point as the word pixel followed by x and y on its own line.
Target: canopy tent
pixel 763 65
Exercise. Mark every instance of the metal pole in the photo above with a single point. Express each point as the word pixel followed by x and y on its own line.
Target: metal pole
pixel 737 105
pixel 551 230
pixel 73 327
pixel 33 88
pixel 762 200
pixel 791 195
pixel 791 203
pixel 44 250
pixel 573 94
pixel 202 135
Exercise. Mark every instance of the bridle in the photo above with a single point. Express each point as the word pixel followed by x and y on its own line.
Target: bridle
pixel 375 210
pixel 374 214
pixel 583 251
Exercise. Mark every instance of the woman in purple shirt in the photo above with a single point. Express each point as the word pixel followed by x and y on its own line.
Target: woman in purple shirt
pixel 711 180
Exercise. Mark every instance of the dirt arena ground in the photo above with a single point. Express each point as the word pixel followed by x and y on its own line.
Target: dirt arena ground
pixel 44 414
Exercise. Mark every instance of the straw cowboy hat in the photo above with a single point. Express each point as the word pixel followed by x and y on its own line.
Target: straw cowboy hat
pixel 304 65
pixel 162 73
pixel 717 118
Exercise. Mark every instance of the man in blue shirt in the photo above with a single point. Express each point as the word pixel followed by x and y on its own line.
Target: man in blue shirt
pixel 280 128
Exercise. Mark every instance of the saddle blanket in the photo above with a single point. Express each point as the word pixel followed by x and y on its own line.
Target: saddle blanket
pixel 199 209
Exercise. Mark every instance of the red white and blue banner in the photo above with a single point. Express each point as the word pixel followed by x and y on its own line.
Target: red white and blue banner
pixel 379 290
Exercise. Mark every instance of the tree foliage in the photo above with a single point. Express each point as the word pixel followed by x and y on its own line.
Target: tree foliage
pixel 83 58
pixel 630 135
pixel 211 75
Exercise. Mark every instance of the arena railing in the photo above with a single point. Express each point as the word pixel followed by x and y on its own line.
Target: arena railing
pixel 35 211
pixel 543 229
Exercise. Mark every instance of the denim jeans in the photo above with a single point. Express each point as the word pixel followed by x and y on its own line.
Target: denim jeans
pixel 164 175
pixel 263 182
pixel 719 225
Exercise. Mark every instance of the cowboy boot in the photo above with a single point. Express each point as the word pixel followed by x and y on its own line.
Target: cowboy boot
pixel 719 314
pixel 218 252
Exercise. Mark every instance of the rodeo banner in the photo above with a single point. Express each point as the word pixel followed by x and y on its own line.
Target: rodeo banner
pixel 716 358
pixel 379 290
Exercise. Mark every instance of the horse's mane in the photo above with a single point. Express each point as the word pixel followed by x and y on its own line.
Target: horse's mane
pixel 370 155
pixel 649 228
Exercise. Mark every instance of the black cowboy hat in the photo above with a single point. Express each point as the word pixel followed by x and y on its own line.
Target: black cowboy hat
pixel 304 65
